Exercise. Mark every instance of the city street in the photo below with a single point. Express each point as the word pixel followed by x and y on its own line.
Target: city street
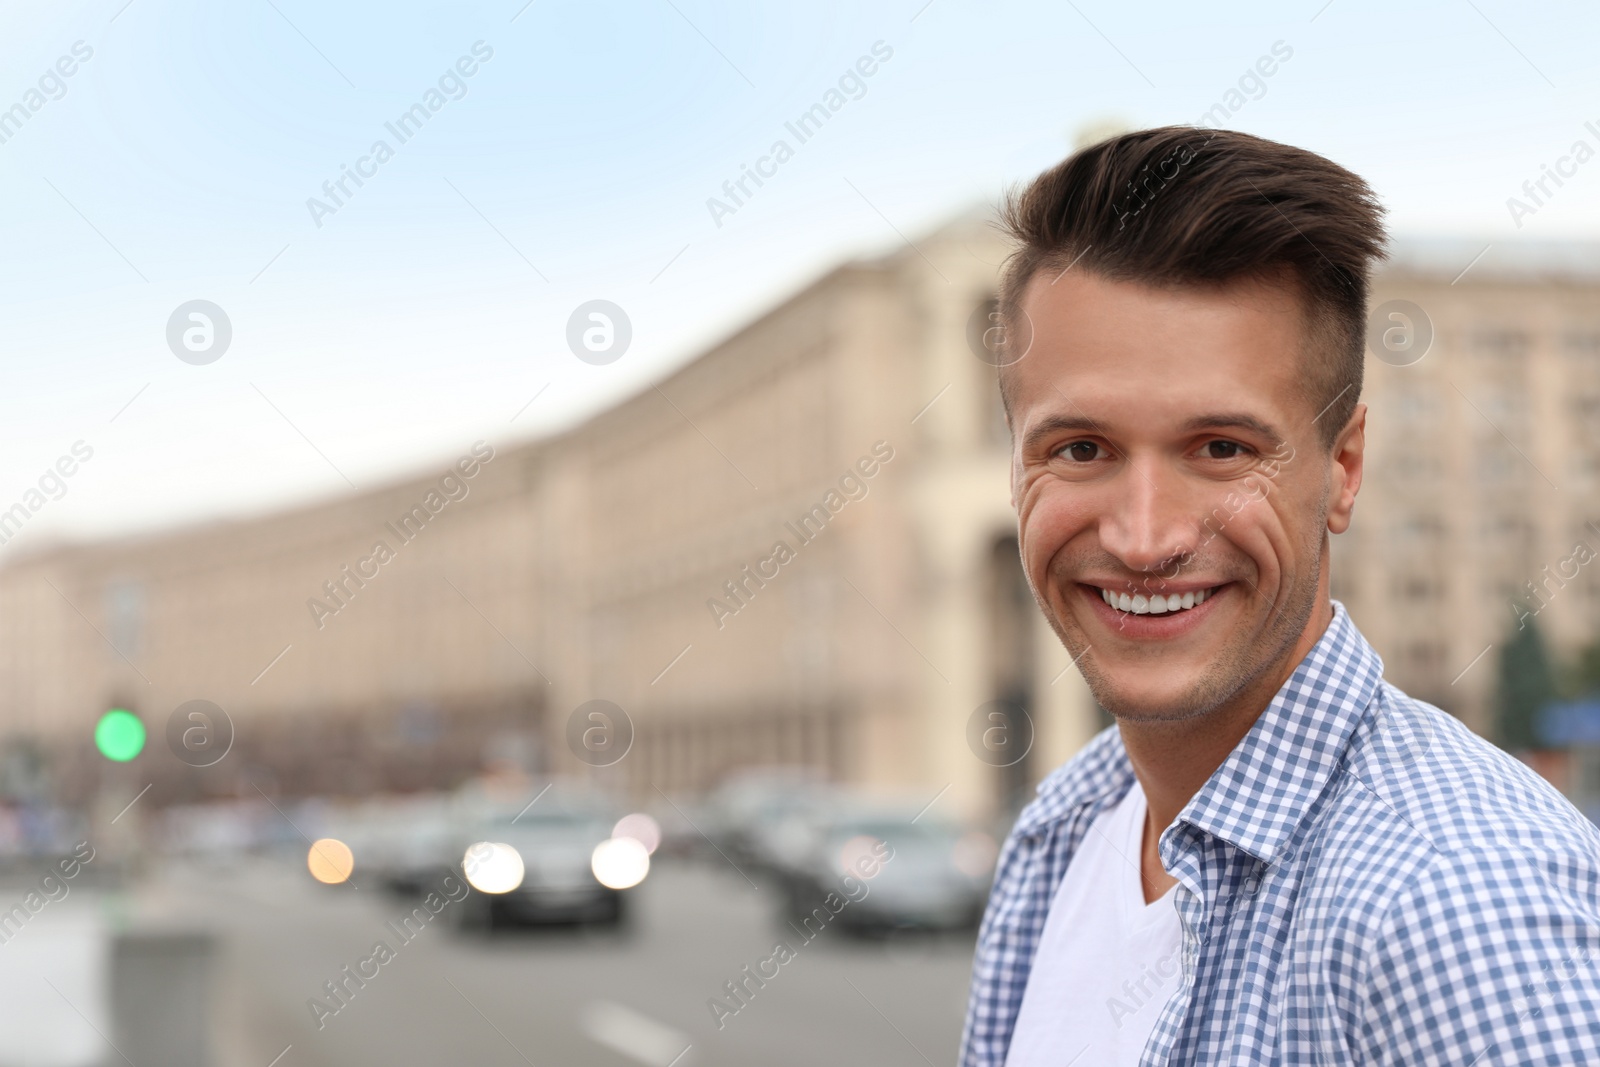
pixel 559 998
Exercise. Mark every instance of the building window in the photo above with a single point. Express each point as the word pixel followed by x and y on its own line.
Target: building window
pixel 1425 657
pixel 1494 465
pixel 1582 344
pixel 1413 403
pixel 1506 343
pixel 1585 407
pixel 1418 588
pixel 1420 531
pixel 1497 533
pixel 1506 407
pixel 1415 464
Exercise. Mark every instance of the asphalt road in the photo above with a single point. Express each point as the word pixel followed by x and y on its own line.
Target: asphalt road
pixel 557 998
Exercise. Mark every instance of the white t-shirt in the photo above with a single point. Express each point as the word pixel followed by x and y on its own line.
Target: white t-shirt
pixel 1107 962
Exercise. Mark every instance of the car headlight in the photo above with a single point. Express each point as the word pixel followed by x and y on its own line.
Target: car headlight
pixel 620 862
pixel 493 867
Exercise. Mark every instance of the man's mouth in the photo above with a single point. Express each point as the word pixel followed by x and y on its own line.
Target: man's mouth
pixel 1156 603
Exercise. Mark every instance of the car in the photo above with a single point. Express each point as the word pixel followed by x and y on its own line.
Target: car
pixel 753 813
pixel 532 861
pixel 409 842
pixel 888 869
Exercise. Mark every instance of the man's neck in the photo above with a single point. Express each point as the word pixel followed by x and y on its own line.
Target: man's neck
pixel 1173 760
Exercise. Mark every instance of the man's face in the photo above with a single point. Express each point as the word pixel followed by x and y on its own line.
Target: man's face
pixel 1164 448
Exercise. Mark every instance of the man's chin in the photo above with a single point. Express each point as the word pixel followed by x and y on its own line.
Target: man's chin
pixel 1126 694
pixel 1155 709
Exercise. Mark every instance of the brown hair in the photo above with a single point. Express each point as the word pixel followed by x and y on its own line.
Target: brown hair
pixel 1178 205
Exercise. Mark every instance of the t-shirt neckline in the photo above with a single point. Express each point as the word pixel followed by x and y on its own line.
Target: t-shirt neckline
pixel 1130 818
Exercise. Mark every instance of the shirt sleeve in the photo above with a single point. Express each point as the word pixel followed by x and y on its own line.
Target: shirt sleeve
pixel 1489 957
pixel 1031 867
pixel 999 972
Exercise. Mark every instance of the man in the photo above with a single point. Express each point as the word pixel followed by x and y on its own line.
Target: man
pixel 1274 856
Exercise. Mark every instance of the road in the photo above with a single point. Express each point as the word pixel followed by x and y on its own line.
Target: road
pixel 558 998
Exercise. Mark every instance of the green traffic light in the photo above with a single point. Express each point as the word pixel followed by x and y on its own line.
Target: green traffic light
pixel 119 735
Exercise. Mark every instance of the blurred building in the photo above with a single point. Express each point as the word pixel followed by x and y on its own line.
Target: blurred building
pixel 796 549
pixel 1480 511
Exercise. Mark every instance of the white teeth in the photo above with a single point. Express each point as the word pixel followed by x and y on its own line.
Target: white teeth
pixel 1156 604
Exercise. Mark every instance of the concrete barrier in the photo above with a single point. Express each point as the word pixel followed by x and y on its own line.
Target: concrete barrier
pixel 161 997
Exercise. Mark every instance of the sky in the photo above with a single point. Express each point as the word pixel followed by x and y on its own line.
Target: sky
pixel 377 331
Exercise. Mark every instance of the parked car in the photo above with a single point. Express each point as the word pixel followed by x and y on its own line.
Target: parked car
pixel 409 842
pixel 888 868
pixel 752 814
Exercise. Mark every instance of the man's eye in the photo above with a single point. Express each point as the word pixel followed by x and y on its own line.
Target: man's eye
pixel 1223 450
pixel 1081 451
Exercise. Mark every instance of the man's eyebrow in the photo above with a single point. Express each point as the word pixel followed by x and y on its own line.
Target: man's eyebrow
pixel 1057 424
pixel 1231 421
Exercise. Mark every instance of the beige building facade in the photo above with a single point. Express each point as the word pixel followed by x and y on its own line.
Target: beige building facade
pixel 1482 499
pixel 796 549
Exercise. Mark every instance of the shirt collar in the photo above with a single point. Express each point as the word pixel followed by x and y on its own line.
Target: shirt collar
pixel 1100 771
pixel 1261 792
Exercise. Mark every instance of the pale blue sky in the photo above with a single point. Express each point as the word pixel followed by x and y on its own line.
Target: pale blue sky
pixel 178 162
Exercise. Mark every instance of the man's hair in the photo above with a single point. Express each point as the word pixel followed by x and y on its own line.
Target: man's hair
pixel 1180 206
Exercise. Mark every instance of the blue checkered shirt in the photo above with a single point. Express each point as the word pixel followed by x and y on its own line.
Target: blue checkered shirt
pixel 1362 881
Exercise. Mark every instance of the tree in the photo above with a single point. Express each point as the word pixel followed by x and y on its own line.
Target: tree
pixel 1526 683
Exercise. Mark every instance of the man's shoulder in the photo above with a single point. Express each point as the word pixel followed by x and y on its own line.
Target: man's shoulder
pixel 1434 819
pixel 1456 791
pixel 1464 885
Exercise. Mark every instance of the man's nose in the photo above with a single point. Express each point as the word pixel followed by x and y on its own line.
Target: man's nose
pixel 1152 519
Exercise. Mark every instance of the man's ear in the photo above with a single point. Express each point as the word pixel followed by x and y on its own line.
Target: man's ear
pixel 1345 466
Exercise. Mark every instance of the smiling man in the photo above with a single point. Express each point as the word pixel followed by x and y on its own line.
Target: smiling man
pixel 1274 856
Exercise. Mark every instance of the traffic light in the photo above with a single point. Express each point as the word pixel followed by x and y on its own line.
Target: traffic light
pixel 119 735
